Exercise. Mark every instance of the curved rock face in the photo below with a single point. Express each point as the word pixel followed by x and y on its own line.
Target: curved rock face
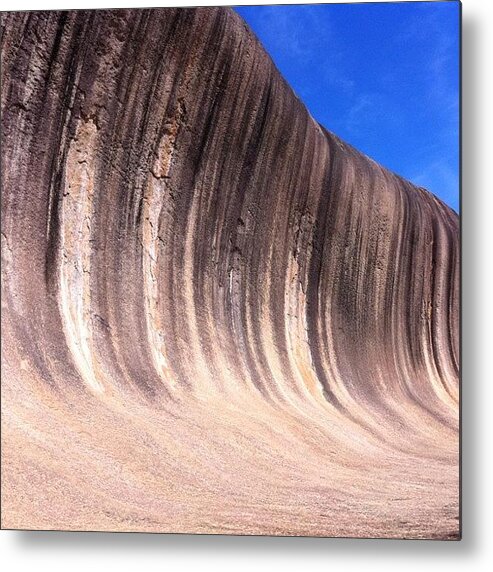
pixel 217 316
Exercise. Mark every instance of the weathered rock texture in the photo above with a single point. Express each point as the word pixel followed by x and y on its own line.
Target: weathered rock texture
pixel 217 316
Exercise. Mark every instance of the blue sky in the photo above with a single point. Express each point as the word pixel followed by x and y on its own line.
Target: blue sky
pixel 383 76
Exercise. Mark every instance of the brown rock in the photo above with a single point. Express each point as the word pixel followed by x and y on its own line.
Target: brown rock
pixel 217 316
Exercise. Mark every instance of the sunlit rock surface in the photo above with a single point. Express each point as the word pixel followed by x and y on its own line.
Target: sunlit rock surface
pixel 216 316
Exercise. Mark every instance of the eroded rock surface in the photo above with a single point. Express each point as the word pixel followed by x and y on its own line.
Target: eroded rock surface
pixel 216 315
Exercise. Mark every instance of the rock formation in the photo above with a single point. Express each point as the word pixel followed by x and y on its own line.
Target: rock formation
pixel 216 315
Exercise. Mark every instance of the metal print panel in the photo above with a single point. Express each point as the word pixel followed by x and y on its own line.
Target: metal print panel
pixel 217 315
